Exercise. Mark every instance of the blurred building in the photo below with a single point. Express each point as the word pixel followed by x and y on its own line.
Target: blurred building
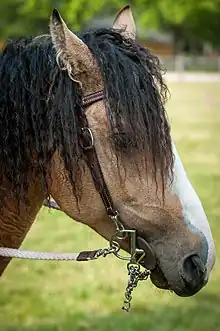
pixel 160 43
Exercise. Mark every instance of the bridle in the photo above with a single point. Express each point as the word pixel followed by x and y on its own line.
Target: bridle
pixel 121 233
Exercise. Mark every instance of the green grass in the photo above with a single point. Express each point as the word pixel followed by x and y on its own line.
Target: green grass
pixel 49 296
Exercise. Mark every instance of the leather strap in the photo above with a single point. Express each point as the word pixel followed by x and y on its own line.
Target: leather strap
pixel 91 155
pixel 91 98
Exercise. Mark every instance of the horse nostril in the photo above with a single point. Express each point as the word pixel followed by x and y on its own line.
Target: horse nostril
pixel 193 270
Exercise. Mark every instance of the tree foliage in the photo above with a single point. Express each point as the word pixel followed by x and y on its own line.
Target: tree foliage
pixel 27 17
pixel 198 20
pixel 195 20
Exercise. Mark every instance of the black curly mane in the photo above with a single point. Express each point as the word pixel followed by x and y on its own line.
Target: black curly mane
pixel 38 105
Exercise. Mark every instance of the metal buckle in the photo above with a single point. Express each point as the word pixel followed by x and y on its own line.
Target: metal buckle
pixel 121 234
pixel 90 137
pixel 134 251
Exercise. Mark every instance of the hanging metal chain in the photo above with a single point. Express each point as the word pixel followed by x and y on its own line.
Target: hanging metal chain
pixel 135 275
pixel 133 266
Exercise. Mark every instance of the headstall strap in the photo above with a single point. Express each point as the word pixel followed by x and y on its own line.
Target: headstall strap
pixel 87 141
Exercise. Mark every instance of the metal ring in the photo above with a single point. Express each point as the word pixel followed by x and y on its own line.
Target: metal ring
pixel 115 245
pixel 91 138
pixel 134 265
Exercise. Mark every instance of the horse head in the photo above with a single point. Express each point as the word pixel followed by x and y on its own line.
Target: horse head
pixel 138 157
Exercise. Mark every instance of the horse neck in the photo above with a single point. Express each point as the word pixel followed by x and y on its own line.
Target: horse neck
pixel 16 222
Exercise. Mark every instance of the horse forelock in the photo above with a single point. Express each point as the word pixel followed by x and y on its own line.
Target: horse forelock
pixel 135 94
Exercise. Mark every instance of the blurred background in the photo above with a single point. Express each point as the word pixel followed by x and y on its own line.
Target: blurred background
pixel 50 296
pixel 184 34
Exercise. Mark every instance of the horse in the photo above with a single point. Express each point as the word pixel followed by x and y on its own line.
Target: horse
pixel 44 80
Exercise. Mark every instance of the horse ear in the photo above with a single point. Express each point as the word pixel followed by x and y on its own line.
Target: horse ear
pixel 70 49
pixel 124 21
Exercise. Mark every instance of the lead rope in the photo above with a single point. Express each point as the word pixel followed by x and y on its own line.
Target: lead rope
pixel 134 273
pixel 52 256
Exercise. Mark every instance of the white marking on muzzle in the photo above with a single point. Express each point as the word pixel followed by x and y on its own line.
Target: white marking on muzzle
pixel 193 211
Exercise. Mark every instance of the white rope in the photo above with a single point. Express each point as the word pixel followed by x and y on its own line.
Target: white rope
pixel 22 254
